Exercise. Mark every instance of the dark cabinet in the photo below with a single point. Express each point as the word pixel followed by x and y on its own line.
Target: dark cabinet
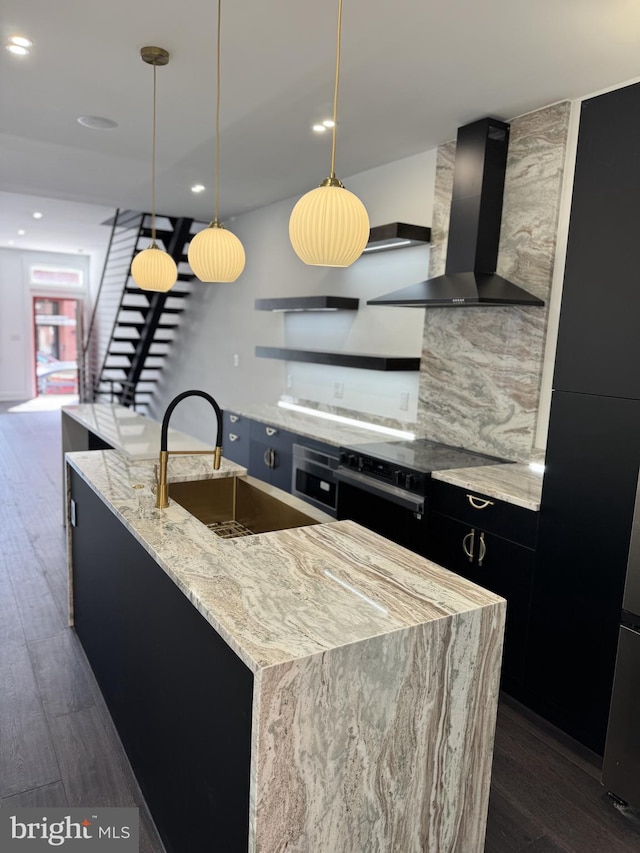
pixel 476 541
pixel 593 448
pixel 236 438
pixel 271 455
pixel 593 455
pixel 180 698
pixel 598 342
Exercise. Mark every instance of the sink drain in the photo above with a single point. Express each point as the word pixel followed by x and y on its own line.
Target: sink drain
pixel 229 529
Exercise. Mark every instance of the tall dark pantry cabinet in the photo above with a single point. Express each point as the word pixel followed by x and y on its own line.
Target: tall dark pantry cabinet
pixel 593 450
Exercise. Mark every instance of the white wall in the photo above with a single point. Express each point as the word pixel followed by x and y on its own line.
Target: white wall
pixel 221 320
pixel 17 374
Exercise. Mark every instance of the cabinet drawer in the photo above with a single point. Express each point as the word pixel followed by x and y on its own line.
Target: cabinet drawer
pixel 236 424
pixel 272 436
pixel 484 512
pixel 236 438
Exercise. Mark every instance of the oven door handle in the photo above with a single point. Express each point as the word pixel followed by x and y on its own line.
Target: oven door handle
pixel 385 490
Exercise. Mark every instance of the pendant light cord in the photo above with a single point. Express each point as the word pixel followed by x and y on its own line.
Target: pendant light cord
pixel 335 95
pixel 153 164
pixel 217 167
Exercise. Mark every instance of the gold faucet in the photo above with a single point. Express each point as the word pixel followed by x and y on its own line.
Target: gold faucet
pixel 162 493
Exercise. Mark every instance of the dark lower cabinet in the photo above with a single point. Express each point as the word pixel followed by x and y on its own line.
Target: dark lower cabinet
pixel 180 698
pixel 236 438
pixel 593 456
pixel 497 564
pixel 271 455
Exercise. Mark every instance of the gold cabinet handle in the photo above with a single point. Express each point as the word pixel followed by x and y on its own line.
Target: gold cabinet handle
pixel 482 551
pixel 234 418
pixel 478 503
pixel 233 436
pixel 270 431
pixel 469 551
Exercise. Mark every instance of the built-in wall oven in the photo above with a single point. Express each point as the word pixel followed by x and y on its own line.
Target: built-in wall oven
pixel 313 477
pixel 384 486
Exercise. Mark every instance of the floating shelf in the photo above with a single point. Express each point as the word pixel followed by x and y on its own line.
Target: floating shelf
pixel 341 359
pixel 397 235
pixel 308 303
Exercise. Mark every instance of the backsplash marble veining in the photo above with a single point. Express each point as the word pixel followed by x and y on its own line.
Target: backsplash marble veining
pixel 481 367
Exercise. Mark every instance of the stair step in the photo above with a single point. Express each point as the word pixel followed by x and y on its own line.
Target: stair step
pixel 166 310
pixel 160 233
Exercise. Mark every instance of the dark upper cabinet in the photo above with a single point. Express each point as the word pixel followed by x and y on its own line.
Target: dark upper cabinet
pixel 599 340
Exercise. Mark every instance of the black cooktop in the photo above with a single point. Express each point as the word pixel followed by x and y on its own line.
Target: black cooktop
pixel 421 455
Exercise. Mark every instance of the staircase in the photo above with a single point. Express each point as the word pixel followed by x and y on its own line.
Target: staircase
pixel 131 330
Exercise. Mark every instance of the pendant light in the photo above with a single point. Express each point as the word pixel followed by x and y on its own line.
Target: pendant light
pixel 216 254
pixel 329 226
pixel 154 269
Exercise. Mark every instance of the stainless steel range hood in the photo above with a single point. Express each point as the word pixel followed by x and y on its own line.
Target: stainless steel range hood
pixel 470 277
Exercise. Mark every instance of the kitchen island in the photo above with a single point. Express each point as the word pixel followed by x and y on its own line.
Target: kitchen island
pixel 312 689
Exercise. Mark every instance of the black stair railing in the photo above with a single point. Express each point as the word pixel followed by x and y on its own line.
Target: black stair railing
pixel 124 236
pixel 129 360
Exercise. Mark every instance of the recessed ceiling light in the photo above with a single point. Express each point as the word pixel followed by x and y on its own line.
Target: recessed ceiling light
pixel 319 128
pixel 19 45
pixel 21 41
pixel 198 188
pixel 97 122
pixel 36 214
pixel 21 232
pixel 17 49
pixel 328 122
pixel 11 242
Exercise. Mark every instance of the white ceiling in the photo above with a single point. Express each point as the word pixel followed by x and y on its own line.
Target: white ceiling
pixel 412 72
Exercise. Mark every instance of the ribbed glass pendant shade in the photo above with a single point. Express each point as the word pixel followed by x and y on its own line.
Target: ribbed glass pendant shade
pixel 216 254
pixel 329 226
pixel 153 269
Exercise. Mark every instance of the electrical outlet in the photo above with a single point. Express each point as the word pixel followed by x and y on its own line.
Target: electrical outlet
pixel 338 390
pixel 404 401
pixel 289 380
pixel 236 360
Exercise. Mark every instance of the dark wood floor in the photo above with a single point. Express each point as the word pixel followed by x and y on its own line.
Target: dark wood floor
pixel 58 746
pixel 57 742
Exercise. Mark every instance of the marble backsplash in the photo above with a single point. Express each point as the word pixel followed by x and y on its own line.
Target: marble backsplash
pixel 481 367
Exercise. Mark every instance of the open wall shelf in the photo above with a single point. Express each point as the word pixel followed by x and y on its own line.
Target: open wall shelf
pixel 342 359
pixel 308 303
pixel 397 235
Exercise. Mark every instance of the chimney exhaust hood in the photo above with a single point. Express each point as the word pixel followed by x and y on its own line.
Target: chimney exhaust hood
pixel 470 278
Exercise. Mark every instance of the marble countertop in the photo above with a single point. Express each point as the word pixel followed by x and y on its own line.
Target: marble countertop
pixel 279 596
pixel 321 429
pixel 513 483
pixel 132 434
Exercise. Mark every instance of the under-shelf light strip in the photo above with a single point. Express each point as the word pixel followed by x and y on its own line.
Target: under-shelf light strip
pixel 395 244
pixel 328 416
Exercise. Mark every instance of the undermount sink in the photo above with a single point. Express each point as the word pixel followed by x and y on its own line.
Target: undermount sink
pixel 242 506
